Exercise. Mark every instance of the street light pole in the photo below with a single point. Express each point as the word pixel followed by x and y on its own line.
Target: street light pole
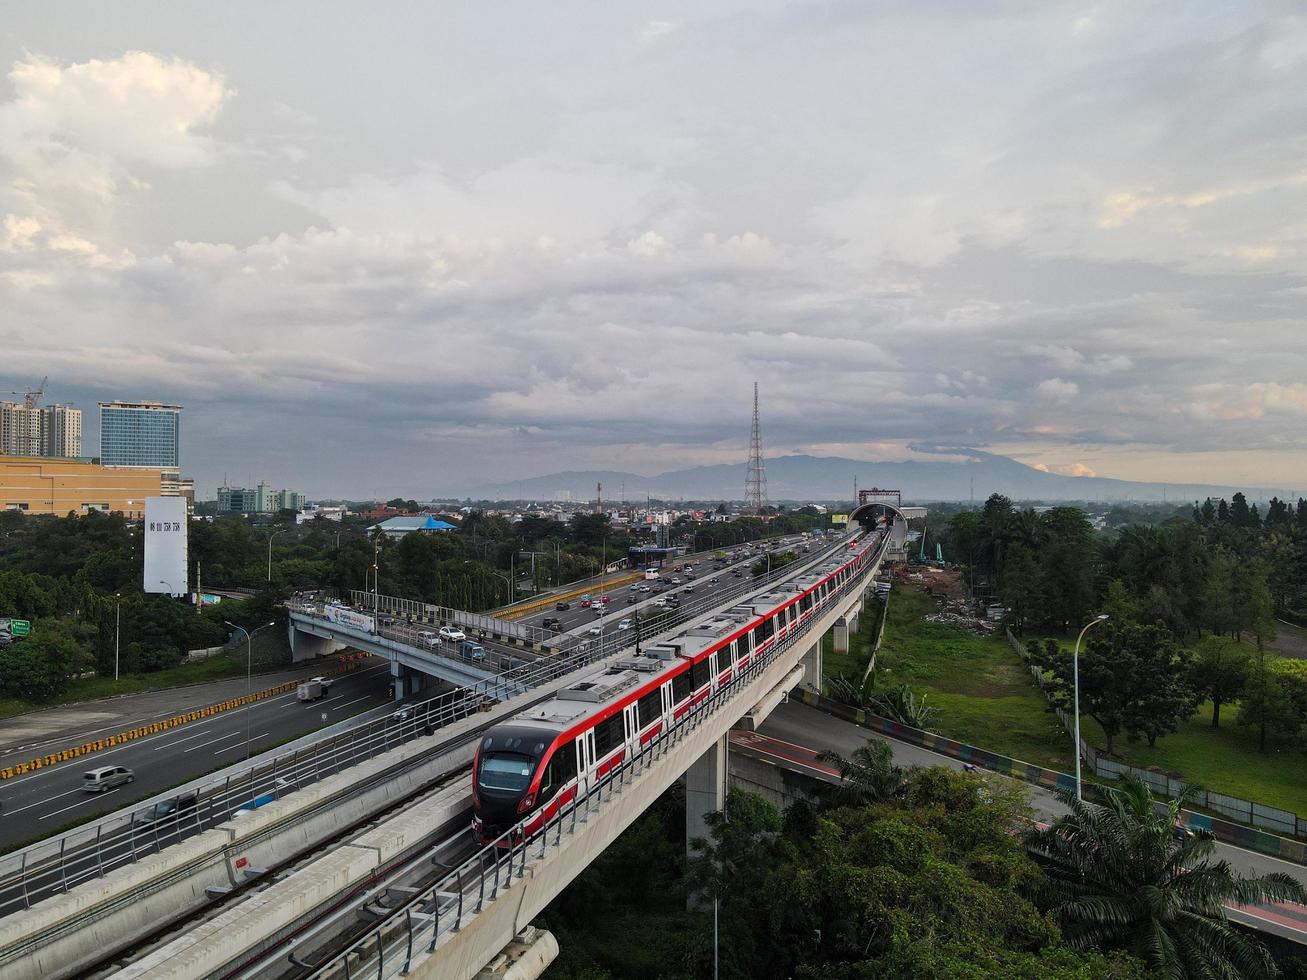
pixel 249 659
pixel 376 577
pixel 270 537
pixel 117 630
pixel 1075 670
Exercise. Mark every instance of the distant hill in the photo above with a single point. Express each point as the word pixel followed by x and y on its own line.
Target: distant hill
pixel 798 478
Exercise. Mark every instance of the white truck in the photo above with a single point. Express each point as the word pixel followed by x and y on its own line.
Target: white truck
pixel 310 691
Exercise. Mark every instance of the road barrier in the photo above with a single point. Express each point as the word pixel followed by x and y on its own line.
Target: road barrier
pixel 537 605
pixel 1248 838
pixel 348 663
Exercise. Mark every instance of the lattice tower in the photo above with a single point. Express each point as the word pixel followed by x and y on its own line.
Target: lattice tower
pixel 755 484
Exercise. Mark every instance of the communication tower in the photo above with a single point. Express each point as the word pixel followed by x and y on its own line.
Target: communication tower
pixel 755 484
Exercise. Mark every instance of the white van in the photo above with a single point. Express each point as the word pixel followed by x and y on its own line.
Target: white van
pixel 106 778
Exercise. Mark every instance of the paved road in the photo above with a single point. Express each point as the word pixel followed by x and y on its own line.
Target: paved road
pixel 36 733
pixel 40 803
pixel 807 730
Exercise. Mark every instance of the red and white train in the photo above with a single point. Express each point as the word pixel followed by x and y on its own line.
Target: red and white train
pixel 530 766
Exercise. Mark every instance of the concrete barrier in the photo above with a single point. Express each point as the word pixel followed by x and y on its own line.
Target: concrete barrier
pixel 539 605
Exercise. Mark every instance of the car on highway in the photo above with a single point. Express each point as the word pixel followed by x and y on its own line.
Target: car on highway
pixel 428 639
pixel 403 714
pixel 714 580
pixel 106 778
pixel 326 683
pixel 605 599
pixel 676 581
pixel 386 619
pixel 586 603
pixel 552 623
pixel 737 573
pixel 599 610
pixel 165 812
pixel 596 630
pixel 562 606
pixel 452 633
pixel 472 651
pixel 624 625
pixel 688 588
pixel 660 601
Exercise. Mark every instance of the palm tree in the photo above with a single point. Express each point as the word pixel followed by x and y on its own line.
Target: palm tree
pixel 1118 879
pixel 868 776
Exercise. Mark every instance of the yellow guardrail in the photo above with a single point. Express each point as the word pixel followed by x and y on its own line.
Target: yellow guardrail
pixel 350 662
pixel 535 605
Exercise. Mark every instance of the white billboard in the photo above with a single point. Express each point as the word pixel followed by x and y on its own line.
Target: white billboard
pixel 165 545
pixel 348 617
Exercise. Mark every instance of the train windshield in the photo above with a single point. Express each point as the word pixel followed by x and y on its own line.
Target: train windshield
pixel 510 771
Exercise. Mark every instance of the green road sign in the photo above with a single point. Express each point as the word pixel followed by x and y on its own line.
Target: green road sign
pixel 20 627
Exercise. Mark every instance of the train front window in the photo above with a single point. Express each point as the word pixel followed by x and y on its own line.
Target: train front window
pixel 507 771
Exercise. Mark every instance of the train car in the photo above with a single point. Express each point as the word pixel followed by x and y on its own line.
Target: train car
pixel 532 766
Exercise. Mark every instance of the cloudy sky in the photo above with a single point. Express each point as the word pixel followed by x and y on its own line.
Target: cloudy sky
pixel 406 247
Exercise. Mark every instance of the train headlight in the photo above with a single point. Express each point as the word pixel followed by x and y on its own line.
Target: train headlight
pixel 527 803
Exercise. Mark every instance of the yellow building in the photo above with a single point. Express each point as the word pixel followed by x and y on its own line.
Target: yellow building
pixel 40 485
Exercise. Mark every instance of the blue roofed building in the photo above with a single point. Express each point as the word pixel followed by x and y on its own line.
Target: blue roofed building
pixel 397 527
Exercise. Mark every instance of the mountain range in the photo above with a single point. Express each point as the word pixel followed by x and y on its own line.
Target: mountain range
pixel 817 478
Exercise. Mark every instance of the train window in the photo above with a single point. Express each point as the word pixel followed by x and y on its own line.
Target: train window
pixel 648 708
pixel 681 687
pixel 608 733
pixel 562 766
pixel 508 771
pixel 699 674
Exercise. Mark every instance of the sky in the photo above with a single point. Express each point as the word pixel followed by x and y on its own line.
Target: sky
pixel 400 248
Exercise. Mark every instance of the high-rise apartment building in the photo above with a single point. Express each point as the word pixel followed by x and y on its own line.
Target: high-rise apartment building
pixel 40 431
pixel 261 500
pixel 140 434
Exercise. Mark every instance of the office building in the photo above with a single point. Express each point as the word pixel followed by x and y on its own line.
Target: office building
pixel 140 434
pixel 261 500
pixel 46 430
pixel 41 485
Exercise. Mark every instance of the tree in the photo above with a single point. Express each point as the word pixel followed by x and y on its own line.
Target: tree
pixel 1133 679
pixel 1118 880
pixel 1020 585
pixel 868 776
pixel 38 667
pixel 1267 705
pixel 1254 612
pixel 1219 673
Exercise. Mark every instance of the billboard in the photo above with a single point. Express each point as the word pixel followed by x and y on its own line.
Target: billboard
pixel 165 545
pixel 348 617
pixel 839 520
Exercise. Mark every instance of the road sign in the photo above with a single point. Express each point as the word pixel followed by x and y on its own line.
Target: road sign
pixel 20 627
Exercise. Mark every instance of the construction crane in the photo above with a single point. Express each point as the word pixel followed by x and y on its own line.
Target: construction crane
pixel 30 397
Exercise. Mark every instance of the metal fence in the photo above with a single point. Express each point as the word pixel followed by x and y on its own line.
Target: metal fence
pixel 441 910
pixel 1245 811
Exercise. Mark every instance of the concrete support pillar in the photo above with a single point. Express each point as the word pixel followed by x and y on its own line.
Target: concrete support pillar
pixel 705 790
pixel 841 635
pixel 812 673
pixel 306 646
pixel 399 679
pixel 853 620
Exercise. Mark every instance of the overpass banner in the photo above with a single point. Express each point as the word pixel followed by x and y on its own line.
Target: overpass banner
pixel 348 617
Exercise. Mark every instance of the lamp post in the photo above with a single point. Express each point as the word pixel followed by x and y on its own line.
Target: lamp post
pixel 249 659
pixel 270 537
pixel 1075 671
pixel 117 626
pixel 376 577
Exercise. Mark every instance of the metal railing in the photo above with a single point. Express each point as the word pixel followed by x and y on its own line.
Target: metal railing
pixel 418 927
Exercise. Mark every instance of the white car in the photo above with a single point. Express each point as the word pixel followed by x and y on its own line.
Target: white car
pixel 660 601
pixel 596 630
pixel 326 682
pixel 428 639
pixel 452 633
pixel 624 625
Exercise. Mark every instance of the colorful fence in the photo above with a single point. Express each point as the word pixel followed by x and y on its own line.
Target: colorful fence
pixel 547 602
pixel 1231 833
pixel 347 663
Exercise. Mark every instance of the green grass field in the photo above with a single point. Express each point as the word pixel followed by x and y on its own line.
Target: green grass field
pixel 986 697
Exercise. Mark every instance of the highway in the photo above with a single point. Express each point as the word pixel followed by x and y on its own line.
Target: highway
pixel 800 732
pixel 40 803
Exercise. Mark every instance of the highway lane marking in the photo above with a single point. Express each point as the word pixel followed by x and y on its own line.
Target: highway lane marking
pixel 253 738
pixel 76 805
pixel 236 734
pixel 42 802
pixel 366 697
pixel 188 738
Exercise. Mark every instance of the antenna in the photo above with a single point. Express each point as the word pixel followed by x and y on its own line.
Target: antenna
pixel 755 484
